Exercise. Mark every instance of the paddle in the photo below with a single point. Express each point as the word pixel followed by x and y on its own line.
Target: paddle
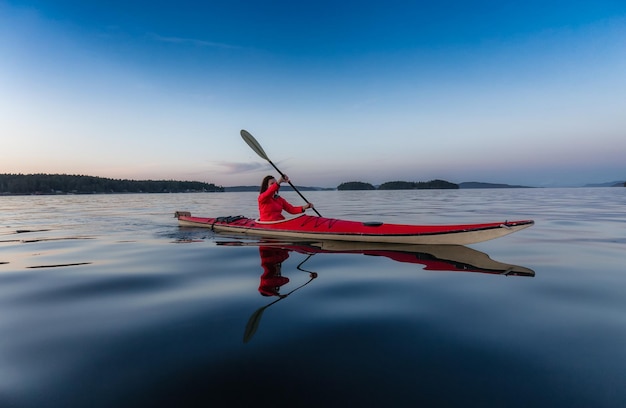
pixel 254 145
pixel 255 319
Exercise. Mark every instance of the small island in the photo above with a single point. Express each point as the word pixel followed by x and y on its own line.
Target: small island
pixel 355 185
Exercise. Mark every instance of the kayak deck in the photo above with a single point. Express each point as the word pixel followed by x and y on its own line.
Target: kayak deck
pixel 308 227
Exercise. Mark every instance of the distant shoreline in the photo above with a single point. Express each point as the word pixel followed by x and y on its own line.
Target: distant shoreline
pixel 238 190
pixel 63 184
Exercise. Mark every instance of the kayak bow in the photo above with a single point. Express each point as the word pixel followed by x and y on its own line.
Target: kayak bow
pixel 308 227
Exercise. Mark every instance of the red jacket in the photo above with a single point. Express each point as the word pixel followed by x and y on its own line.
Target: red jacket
pixel 271 205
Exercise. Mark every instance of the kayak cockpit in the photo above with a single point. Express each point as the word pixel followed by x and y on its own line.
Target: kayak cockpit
pixel 278 221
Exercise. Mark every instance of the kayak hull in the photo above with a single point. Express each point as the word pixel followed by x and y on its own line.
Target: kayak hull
pixel 306 227
pixel 452 258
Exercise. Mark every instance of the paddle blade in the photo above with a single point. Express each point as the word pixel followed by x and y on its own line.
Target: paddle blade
pixel 254 145
pixel 253 324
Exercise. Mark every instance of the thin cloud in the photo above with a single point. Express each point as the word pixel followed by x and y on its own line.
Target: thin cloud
pixel 192 41
pixel 237 167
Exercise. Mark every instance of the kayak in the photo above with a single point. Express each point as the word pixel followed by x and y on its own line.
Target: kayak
pixel 452 258
pixel 307 227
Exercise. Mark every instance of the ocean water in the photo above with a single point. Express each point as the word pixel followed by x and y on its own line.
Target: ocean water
pixel 106 302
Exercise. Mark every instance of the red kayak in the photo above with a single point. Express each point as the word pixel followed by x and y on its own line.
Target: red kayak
pixel 306 227
pixel 454 258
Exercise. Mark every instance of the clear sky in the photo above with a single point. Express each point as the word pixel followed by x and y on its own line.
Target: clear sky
pixel 528 92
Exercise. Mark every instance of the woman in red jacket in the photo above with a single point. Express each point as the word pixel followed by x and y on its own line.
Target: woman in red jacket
pixel 271 205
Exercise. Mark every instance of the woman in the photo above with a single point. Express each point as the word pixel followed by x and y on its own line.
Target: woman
pixel 271 204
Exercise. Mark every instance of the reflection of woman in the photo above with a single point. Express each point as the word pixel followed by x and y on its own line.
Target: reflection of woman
pixel 271 204
pixel 271 261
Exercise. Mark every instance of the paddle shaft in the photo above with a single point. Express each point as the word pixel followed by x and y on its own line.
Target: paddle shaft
pixel 294 187
pixel 258 149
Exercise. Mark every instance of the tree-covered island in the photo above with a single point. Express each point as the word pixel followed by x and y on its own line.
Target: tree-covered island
pixel 77 184
pixel 398 185
pixel 355 185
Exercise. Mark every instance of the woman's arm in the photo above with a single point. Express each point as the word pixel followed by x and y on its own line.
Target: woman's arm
pixel 269 193
pixel 290 208
pixel 295 209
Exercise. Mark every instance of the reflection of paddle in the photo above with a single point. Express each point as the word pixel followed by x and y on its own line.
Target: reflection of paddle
pixel 255 319
pixel 254 145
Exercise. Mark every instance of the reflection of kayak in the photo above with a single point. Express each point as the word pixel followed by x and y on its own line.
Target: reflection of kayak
pixel 308 227
pixel 455 258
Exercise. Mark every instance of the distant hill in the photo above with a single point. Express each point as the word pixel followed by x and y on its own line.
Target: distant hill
pixel 420 185
pixel 476 184
pixel 608 184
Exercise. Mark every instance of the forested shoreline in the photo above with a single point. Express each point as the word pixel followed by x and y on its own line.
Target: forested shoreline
pixel 23 184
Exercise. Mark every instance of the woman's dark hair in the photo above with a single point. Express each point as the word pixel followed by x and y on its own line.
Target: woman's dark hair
pixel 265 182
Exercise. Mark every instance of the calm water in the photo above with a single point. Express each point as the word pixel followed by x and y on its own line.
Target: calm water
pixel 106 302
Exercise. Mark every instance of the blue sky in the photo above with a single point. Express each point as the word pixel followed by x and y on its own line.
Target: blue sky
pixel 529 93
